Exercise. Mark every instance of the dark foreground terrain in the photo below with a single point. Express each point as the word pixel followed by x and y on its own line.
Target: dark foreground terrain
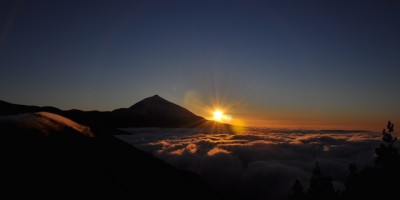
pixel 65 164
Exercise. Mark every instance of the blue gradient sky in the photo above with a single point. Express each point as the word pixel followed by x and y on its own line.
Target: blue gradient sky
pixel 267 63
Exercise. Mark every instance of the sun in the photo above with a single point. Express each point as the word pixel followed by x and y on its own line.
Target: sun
pixel 218 115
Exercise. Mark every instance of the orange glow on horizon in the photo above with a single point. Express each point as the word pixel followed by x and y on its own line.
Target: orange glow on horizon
pixel 313 124
pixel 219 107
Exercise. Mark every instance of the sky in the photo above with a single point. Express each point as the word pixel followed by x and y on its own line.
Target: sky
pixel 294 64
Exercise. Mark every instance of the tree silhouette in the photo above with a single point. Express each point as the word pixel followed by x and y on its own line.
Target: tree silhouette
pixel 387 155
pixel 321 187
pixel 387 137
pixel 353 185
pixel 297 192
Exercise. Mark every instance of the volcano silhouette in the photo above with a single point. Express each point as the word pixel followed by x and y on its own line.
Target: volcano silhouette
pixel 155 112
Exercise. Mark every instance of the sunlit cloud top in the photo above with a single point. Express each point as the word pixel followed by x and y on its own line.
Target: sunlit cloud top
pixel 260 155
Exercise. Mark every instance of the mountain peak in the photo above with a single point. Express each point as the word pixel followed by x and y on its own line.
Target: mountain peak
pixel 155 111
pixel 153 100
pixel 155 97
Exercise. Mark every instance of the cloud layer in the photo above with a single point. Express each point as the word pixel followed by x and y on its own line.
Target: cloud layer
pixel 43 122
pixel 259 163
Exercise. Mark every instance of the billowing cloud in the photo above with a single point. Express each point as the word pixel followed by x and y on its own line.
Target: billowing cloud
pixel 259 163
pixel 44 122
pixel 217 150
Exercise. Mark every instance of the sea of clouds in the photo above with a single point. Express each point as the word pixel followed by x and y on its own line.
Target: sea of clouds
pixel 258 163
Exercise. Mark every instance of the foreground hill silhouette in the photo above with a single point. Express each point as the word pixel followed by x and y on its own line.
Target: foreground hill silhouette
pixel 150 112
pixel 47 156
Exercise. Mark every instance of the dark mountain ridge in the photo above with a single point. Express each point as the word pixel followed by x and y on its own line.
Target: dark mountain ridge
pixel 150 112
